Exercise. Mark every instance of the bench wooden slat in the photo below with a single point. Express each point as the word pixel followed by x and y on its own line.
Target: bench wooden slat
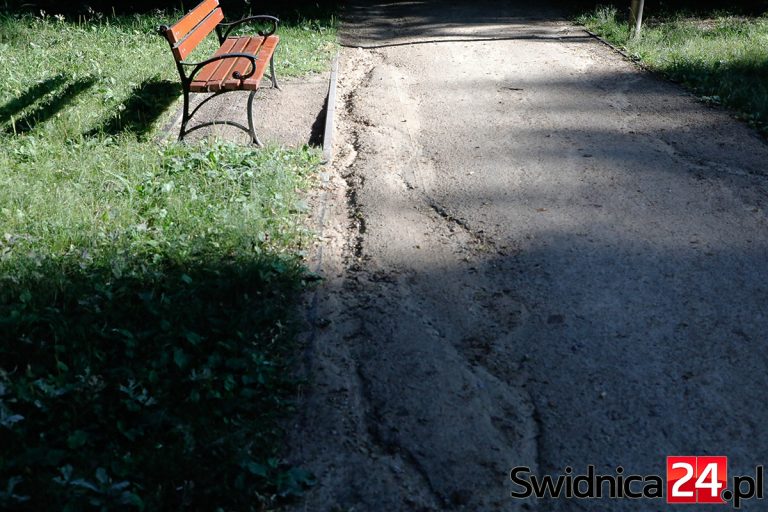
pixel 192 19
pixel 190 42
pixel 226 68
pixel 252 83
pixel 253 46
pixel 217 76
pixel 201 78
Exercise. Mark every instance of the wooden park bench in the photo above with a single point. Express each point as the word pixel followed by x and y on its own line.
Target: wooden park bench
pixel 238 65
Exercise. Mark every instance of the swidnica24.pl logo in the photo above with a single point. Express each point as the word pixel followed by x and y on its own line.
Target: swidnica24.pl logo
pixel 689 479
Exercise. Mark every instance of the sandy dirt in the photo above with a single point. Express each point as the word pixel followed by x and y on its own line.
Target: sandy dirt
pixel 535 254
pixel 291 116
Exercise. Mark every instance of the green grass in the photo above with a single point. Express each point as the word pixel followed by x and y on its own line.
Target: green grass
pixel 307 46
pixel 63 64
pixel 147 290
pixel 722 58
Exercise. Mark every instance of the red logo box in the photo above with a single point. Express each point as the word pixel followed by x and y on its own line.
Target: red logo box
pixel 696 479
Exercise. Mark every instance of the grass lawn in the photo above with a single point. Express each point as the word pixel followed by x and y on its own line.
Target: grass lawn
pixel 147 290
pixel 722 58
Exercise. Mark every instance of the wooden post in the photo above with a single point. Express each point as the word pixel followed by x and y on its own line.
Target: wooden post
pixel 636 17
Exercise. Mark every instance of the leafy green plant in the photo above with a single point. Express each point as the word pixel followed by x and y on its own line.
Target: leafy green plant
pixel 148 365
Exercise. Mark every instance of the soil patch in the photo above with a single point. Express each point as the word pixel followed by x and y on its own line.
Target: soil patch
pixel 292 116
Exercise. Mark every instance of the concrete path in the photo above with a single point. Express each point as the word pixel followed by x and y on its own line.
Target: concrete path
pixel 536 255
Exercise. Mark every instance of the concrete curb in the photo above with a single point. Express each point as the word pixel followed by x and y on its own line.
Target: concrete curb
pixel 608 44
pixel 634 60
pixel 329 112
pixel 311 316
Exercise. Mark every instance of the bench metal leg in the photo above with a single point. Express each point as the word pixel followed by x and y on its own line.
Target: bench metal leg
pixel 185 116
pixel 251 128
pixel 272 72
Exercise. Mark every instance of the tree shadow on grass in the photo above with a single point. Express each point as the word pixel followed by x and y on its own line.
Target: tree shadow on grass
pixel 136 114
pixel 141 109
pixel 46 110
pixel 738 85
pixel 30 96
pixel 158 387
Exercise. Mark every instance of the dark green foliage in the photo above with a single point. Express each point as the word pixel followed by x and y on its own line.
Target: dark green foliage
pixel 670 7
pixel 153 378
pixel 284 8
pixel 164 385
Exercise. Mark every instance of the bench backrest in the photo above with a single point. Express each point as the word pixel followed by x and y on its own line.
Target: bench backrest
pixel 185 35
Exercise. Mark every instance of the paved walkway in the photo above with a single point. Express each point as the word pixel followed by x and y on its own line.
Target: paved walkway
pixel 557 259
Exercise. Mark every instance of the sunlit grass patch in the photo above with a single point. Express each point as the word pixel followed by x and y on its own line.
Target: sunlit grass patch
pixel 722 58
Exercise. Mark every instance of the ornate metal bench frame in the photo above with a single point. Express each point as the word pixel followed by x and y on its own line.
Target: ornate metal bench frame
pixel 223 30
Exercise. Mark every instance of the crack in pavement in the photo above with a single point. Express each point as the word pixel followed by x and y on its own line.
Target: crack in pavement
pixel 390 445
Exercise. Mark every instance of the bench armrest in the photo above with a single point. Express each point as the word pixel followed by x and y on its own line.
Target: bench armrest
pixel 234 24
pixel 236 75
